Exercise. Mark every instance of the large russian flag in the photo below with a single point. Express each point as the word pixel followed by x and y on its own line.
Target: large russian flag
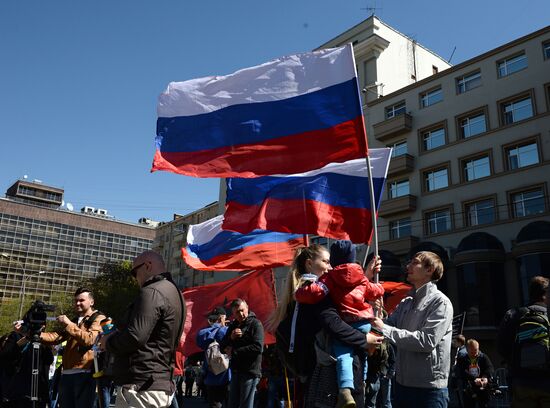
pixel 290 115
pixel 332 202
pixel 210 248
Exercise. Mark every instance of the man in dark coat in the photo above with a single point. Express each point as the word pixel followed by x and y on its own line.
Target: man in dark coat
pixel 243 342
pixel 144 347
pixel 475 371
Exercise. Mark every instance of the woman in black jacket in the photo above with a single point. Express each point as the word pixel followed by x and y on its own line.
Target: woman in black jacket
pixel 298 325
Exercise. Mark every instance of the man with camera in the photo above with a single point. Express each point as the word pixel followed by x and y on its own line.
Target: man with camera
pixel 77 386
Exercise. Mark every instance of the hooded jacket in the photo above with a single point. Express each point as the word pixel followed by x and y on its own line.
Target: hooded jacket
pixel 349 289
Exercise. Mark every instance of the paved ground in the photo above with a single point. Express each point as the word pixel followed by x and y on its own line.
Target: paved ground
pixel 193 402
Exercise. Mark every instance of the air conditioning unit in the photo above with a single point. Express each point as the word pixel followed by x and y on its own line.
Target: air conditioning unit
pixel 101 211
pixel 87 210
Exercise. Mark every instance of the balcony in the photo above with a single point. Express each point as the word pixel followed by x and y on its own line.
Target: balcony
pixel 392 127
pixel 397 205
pixel 401 165
pixel 400 246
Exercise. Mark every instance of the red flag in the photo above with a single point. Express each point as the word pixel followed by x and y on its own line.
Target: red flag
pixel 394 292
pixel 256 288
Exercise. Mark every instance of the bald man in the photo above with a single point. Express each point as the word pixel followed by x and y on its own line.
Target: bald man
pixel 145 343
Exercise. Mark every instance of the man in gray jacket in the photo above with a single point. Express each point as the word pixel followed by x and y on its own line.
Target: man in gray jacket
pixel 421 329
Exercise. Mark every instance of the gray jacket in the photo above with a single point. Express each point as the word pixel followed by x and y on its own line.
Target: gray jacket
pixel 421 329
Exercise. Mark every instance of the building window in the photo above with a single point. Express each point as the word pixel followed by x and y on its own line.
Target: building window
pixel 399 148
pixel 431 97
pixel 476 168
pixel 528 202
pixel 438 221
pixel 510 65
pixel 480 212
pixel 516 110
pixel 395 110
pixel 398 188
pixel 400 228
pixel 522 155
pixel 468 82
pixel 546 50
pixel 472 124
pixel 436 179
pixel 432 139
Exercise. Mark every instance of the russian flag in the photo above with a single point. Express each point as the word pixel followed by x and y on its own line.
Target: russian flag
pixel 290 115
pixel 210 248
pixel 331 202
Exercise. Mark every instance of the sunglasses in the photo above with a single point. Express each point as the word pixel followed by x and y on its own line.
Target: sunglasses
pixel 134 270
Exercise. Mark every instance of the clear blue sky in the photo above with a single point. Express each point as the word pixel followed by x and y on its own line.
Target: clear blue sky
pixel 79 79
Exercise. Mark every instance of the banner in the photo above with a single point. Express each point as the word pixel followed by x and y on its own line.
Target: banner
pixel 256 288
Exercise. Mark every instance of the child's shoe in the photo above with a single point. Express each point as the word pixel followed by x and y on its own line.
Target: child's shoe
pixel 345 400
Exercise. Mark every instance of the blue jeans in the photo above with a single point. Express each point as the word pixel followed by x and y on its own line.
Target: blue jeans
pixel 242 390
pixel 384 394
pixel 406 397
pixel 77 391
pixel 274 392
pixel 371 393
pixel 344 358
pixel 104 397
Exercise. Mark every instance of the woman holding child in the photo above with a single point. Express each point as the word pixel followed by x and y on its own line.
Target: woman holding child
pixel 298 324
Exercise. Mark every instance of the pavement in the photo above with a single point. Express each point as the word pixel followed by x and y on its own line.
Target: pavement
pixel 193 402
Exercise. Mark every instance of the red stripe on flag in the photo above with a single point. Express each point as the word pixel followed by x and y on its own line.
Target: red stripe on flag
pixel 284 155
pixel 301 217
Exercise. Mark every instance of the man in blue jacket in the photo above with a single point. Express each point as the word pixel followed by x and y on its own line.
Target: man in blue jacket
pixel 216 384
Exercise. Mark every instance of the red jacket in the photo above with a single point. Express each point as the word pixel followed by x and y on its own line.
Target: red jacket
pixel 349 289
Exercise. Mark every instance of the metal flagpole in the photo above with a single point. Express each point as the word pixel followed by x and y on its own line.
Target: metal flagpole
pixel 374 241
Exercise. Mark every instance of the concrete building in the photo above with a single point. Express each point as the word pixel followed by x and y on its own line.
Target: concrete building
pixel 46 249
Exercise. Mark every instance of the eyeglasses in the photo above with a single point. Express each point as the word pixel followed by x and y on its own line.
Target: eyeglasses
pixel 134 270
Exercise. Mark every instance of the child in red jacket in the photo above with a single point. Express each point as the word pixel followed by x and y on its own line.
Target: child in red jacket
pixel 349 289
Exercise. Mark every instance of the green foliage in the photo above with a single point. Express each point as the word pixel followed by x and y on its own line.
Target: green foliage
pixel 114 288
pixel 9 312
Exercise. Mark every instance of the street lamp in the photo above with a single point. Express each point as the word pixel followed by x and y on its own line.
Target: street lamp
pixel 25 277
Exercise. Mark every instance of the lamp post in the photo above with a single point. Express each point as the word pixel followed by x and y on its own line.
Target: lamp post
pixel 25 277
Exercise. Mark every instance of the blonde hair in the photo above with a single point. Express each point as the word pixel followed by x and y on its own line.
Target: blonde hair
pixel 297 269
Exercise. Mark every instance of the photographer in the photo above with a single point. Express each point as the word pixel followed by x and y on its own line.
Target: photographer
pixel 77 386
pixel 18 358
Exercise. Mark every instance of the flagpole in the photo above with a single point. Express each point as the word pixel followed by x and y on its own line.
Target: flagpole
pixel 374 241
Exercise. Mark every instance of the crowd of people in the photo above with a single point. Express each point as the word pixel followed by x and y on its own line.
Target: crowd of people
pixel 335 346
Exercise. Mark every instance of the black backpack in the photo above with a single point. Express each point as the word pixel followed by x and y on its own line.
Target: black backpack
pixel 532 341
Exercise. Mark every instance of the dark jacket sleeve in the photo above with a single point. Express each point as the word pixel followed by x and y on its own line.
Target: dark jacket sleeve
pixel 142 321
pixel 255 345
pixel 486 367
pixel 338 329
pixel 506 334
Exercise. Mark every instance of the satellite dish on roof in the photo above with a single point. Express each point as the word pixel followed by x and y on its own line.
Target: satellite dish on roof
pixel 70 207
pixel 62 203
pixel 25 177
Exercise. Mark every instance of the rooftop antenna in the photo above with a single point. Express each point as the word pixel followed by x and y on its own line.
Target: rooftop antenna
pixel 452 53
pixel 371 9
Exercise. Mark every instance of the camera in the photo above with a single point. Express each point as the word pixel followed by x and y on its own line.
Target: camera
pixel 36 317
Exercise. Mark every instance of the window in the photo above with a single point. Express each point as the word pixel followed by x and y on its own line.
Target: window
pixel 434 138
pixel 436 179
pixel 395 110
pixel 522 155
pixel 516 110
pixel 431 97
pixel 399 148
pixel 438 221
pixel 468 82
pixel 527 203
pixel 476 168
pixel 398 188
pixel 400 228
pixel 510 65
pixel 480 212
pixel 472 124
pixel 546 50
